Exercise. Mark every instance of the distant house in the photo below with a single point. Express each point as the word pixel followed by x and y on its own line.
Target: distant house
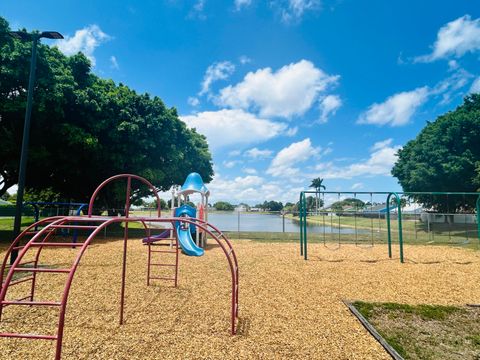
pixel 453 218
pixel 412 208
pixel 256 209
pixel 241 208
pixel 377 208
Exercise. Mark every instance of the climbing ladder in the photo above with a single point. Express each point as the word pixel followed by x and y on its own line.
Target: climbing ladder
pixel 224 244
pixel 41 239
pixel 162 254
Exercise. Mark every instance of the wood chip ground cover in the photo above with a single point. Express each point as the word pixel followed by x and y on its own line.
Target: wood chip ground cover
pixel 289 308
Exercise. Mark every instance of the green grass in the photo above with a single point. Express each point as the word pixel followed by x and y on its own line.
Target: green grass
pixel 394 341
pixel 426 312
pixel 426 331
pixel 475 339
pixel 6 227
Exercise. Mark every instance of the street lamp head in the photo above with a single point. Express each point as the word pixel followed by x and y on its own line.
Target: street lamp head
pixel 51 35
pixel 22 35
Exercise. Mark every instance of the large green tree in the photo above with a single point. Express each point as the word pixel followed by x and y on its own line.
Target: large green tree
pixel 223 206
pixel 445 156
pixel 272 205
pixel 85 129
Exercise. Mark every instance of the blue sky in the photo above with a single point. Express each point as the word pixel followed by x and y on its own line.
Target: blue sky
pixel 287 90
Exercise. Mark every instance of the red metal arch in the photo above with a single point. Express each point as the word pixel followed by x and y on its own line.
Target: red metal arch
pixel 41 239
pixel 129 178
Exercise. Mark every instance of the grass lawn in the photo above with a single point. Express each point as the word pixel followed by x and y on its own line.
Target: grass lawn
pixel 426 331
pixel 6 227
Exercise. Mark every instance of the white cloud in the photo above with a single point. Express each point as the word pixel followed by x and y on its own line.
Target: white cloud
pixel 290 91
pixel 255 153
pixel 329 106
pixel 453 65
pixel 197 10
pixel 397 110
pixel 193 101
pixel 246 188
pixel 250 189
pixel 233 127
pixel 456 38
pixel 217 71
pixel 114 62
pixel 239 4
pixel 234 153
pixel 230 164
pixel 85 40
pixel 293 10
pixel 357 186
pixel 382 158
pixel 381 144
pixel 475 88
pixel 244 60
pixel 286 161
pixel 449 88
pixel 327 151
pixel 250 171
pixel 292 131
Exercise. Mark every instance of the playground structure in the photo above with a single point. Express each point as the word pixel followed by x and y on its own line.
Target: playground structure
pixel 184 232
pixel 193 185
pixel 391 209
pixel 31 241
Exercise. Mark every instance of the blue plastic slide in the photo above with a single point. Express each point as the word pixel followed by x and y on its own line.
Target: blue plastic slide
pixel 183 232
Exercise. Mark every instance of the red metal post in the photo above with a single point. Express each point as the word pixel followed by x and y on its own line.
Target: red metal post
pixel 176 252
pixel 125 238
pixel 148 263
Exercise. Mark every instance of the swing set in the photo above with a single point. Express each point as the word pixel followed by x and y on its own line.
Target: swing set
pixel 364 237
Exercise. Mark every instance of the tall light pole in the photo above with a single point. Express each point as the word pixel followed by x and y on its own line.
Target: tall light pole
pixel 35 38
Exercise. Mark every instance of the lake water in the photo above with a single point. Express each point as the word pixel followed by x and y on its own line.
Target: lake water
pixel 265 223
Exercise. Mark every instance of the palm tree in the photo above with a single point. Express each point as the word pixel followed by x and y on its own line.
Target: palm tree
pixel 317 184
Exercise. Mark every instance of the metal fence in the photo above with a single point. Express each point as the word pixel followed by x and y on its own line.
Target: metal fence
pixel 409 217
pixel 330 227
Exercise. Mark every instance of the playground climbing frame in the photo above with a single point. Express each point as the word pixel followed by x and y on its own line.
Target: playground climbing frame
pixel 31 240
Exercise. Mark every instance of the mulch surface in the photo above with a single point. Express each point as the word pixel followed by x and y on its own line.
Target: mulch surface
pixel 289 308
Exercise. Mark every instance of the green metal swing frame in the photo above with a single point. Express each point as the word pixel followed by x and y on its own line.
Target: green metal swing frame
pixel 303 214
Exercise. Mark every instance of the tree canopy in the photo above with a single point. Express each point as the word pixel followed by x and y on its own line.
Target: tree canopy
pixel 86 129
pixel 272 205
pixel 317 184
pixel 311 204
pixel 223 206
pixel 350 202
pixel 445 156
